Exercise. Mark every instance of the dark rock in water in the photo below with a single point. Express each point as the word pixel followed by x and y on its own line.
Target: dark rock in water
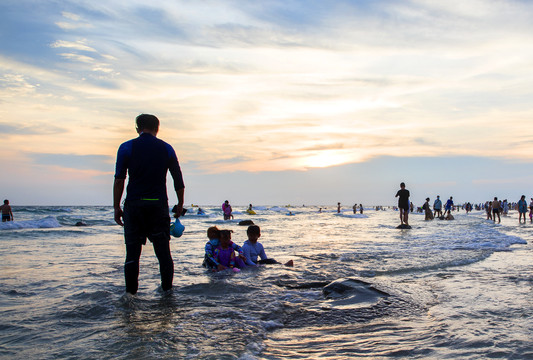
pixel 403 226
pixel 352 293
pixel 246 222
pixel 81 223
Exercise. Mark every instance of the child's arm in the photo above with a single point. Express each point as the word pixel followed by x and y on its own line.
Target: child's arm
pixel 248 256
pixel 209 254
pixel 239 250
pixel 262 253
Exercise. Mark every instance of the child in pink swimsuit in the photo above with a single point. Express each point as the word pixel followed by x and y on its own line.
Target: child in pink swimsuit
pixel 225 254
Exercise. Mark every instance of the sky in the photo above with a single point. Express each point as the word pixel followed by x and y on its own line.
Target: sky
pixel 270 102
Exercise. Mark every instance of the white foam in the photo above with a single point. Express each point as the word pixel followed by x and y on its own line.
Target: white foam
pixel 44 223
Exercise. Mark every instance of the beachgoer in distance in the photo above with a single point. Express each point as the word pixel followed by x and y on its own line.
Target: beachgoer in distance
pixel 403 203
pixel 531 210
pixel 7 214
pixel 355 209
pixel 210 261
pixel 496 206
pixel 253 249
pixel 427 210
pixel 437 207
pixel 226 208
pixel 449 206
pixel 360 208
pixel 338 208
pixel 522 208
pixel 146 160
pixel 488 209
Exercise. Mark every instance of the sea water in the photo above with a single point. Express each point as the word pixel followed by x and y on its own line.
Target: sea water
pixel 459 289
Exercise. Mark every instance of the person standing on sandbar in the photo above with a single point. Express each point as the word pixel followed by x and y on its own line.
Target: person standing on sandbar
pixel 403 203
pixel 146 160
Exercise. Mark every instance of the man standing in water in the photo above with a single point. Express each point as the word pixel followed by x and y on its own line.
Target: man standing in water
pixel 146 160
pixel 496 209
pixel 437 207
pixel 7 214
pixel 403 203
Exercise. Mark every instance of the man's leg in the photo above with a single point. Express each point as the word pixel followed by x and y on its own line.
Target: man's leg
pixel 166 264
pixel 131 267
pixel 160 238
pixel 134 239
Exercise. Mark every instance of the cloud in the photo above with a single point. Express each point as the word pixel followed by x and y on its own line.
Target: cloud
pixel 102 163
pixel 34 129
pixel 277 85
pixel 75 45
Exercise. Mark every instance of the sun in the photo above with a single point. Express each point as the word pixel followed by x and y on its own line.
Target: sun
pixel 326 159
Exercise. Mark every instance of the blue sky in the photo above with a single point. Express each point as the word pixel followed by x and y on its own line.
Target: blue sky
pixel 271 102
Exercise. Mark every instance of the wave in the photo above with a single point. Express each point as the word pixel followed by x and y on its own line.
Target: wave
pixel 42 209
pixel 353 216
pixel 48 222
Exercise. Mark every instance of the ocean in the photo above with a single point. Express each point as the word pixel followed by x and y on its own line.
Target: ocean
pixel 360 288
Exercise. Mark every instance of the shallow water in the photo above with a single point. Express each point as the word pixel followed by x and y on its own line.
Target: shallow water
pixel 444 289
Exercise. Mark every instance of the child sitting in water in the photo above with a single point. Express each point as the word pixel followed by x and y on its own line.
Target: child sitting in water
pixel 252 249
pixel 210 261
pixel 224 254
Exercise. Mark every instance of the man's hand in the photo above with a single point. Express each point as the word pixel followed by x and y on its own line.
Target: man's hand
pixel 179 210
pixel 118 189
pixel 119 215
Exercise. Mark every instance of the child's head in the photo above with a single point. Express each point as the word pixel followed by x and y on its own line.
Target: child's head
pixel 213 233
pixel 253 232
pixel 225 237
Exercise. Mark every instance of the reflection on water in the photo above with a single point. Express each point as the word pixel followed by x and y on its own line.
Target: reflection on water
pixel 457 289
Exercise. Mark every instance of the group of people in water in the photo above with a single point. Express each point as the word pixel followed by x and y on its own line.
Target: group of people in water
pixel 493 208
pixel 496 208
pixel 223 254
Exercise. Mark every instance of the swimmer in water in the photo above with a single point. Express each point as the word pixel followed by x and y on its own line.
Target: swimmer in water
pixel 7 214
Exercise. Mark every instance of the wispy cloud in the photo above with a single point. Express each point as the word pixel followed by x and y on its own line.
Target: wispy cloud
pixel 72 161
pixel 271 85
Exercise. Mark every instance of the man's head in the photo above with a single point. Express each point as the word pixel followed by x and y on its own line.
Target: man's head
pixel 402 185
pixel 147 123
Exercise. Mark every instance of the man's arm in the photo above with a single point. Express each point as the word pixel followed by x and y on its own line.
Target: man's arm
pixel 118 189
pixel 181 195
